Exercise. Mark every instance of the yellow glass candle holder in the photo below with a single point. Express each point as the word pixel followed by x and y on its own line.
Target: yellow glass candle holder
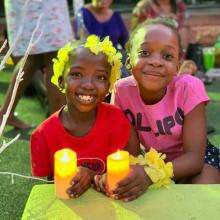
pixel 117 168
pixel 65 167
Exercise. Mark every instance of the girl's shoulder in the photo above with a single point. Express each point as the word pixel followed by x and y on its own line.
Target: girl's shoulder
pixel 188 88
pixel 187 80
pixel 126 82
pixel 50 123
pixel 86 10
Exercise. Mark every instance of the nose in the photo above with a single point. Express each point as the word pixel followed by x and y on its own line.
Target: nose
pixel 155 60
pixel 87 82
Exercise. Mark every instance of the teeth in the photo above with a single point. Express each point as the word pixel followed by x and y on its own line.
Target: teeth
pixel 86 98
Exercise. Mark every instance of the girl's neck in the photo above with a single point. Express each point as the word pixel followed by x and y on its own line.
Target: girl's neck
pixel 77 123
pixel 101 14
pixel 151 98
pixel 98 10
pixel 77 117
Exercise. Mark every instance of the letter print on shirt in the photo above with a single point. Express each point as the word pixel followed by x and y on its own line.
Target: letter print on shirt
pixel 164 126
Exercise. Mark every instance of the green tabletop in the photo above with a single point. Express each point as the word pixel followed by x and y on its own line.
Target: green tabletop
pixel 178 202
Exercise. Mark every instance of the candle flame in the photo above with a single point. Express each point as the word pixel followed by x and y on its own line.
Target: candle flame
pixel 65 157
pixel 117 155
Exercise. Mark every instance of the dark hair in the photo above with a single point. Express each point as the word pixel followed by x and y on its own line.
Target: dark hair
pixel 166 21
pixel 75 44
pixel 173 5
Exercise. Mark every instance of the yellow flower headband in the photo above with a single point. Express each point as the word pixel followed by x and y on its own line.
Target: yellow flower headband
pixel 96 46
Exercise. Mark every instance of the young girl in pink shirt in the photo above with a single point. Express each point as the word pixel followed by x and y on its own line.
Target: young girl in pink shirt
pixel 168 111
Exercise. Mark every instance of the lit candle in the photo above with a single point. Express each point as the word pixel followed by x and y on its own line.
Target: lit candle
pixel 117 168
pixel 65 164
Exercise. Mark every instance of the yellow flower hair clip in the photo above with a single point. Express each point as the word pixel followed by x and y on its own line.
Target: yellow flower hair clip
pixel 59 64
pixel 96 46
pixel 159 172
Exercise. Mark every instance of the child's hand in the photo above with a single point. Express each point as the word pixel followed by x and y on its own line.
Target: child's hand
pixel 101 183
pixel 134 185
pixel 81 182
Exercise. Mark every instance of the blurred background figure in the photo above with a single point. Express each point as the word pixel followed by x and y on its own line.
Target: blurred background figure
pixel 176 9
pixel 98 18
pixel 57 32
pixel 188 67
pixel 154 8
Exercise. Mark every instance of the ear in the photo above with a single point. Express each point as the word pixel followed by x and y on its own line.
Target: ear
pixel 128 64
pixel 108 88
pixel 61 82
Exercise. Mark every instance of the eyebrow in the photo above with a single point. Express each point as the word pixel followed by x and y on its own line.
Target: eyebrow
pixel 167 46
pixel 81 68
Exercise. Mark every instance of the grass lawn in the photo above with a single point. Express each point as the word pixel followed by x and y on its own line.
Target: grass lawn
pixel 16 157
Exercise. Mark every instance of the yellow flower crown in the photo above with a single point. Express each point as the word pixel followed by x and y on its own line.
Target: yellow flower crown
pixel 96 46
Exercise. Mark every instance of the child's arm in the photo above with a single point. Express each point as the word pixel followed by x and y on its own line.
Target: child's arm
pixel 137 181
pixel 194 143
pixel 129 188
pixel 133 146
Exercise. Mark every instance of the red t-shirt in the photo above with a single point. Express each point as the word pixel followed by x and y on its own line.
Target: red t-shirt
pixel 110 132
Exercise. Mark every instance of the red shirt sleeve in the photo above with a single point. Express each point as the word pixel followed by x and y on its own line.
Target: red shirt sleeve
pixel 40 159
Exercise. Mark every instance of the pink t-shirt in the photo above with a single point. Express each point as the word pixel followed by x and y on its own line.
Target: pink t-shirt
pixel 160 125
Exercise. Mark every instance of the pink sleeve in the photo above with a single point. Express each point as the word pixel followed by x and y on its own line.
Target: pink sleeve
pixel 40 160
pixel 120 131
pixel 194 94
pixel 115 100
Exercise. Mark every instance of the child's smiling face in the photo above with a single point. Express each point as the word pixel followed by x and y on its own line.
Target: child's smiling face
pixel 87 82
pixel 154 57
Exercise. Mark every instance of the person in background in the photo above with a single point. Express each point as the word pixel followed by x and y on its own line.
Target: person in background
pixel 84 72
pixel 77 5
pixel 57 31
pixel 188 67
pixel 99 19
pixel 146 9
